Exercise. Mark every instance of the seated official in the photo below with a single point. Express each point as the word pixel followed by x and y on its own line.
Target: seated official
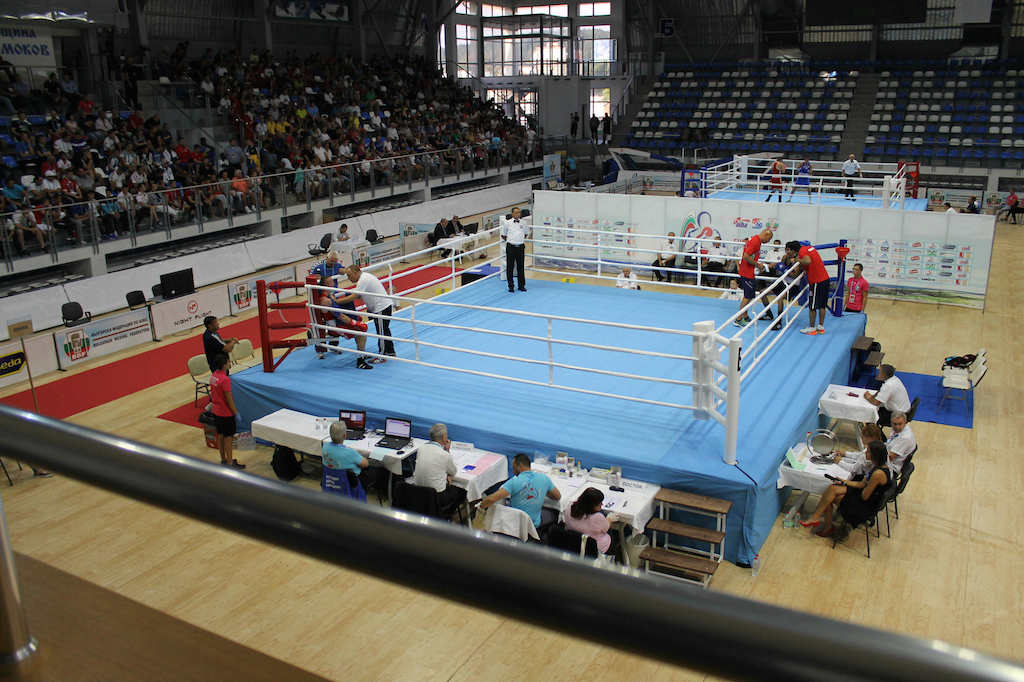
pixel 666 258
pixel 856 498
pixel 213 344
pixel 443 230
pixel 891 397
pixel 626 279
pixel 341 458
pixel 901 442
pixel 713 261
pixel 526 491
pixel 343 235
pixel 586 517
pixel 435 468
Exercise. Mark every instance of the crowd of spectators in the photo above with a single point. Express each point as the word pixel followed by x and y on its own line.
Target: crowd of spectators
pixel 66 162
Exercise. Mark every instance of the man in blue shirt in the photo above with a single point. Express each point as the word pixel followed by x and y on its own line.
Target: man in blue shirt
pixel 331 267
pixel 526 491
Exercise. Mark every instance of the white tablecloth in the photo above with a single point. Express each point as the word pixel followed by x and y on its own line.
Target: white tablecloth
pixel 812 477
pixel 836 402
pixel 635 505
pixel 488 468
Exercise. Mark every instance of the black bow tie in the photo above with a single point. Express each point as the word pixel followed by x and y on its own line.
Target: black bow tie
pixel 515 221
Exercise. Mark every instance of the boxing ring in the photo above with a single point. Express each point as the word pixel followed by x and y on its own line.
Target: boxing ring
pixel 745 178
pixel 663 385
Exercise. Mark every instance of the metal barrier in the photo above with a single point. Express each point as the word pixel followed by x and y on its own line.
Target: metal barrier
pixel 709 631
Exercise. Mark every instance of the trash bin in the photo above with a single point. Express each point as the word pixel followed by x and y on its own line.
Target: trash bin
pixel 634 545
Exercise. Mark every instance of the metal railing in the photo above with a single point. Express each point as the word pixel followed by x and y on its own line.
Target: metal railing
pixel 717 633
pixel 185 211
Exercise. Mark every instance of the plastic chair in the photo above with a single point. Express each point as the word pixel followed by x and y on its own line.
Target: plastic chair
pixel 964 381
pixel 72 314
pixel 563 538
pixel 242 351
pixel 342 482
pixel 135 299
pixel 197 367
pixel 913 409
pixel 422 500
pixel 904 478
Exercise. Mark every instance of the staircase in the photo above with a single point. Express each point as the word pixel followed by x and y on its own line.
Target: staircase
pixel 688 562
pixel 191 122
pixel 859 118
pixel 622 127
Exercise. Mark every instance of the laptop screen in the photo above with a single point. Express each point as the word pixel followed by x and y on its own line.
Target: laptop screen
pixel 353 420
pixel 397 427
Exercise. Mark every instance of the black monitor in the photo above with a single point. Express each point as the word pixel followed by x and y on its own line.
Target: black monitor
pixel 179 283
pixel 472 228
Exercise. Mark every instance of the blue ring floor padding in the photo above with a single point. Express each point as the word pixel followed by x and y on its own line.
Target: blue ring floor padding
pixel 663 445
pixel 827 199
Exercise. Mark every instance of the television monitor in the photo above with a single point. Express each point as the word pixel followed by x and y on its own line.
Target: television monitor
pixel 180 283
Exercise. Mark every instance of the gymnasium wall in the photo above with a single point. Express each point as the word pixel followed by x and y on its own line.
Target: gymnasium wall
pixel 916 255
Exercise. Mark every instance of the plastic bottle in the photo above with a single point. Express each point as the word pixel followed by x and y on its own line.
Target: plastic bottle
pixel 755 565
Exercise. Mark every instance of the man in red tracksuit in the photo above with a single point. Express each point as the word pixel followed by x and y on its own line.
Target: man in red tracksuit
pixel 817 279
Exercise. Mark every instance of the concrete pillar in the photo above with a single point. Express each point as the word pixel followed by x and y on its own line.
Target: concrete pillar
pixel 265 37
pixel 357 20
pixel 137 32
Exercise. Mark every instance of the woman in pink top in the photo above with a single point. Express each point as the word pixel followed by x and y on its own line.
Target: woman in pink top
pixel 857 291
pixel 585 517
pixel 224 410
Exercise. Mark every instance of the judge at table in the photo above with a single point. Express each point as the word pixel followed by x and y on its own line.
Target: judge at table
pixel 435 468
pixel 526 491
pixel 891 397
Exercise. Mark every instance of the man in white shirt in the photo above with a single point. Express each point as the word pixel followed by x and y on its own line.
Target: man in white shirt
pixel 713 261
pixel 949 207
pixel 901 443
pixel 626 279
pixel 850 168
pixel 891 397
pixel 435 468
pixel 666 257
pixel 375 296
pixel 513 233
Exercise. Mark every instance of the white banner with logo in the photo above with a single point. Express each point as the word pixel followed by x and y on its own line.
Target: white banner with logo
pixel 102 337
pixel 242 293
pixel 27 46
pixel 187 312
pixel 13 367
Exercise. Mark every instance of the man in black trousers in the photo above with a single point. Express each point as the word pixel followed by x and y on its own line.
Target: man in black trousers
pixel 513 233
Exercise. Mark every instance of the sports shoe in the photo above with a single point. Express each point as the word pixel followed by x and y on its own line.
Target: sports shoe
pixel 821 329
pixel 361 363
pixel 742 321
pixel 777 326
pixel 810 331
pixel 321 356
pixel 768 315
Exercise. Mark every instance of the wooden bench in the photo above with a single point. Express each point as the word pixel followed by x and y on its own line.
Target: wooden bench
pixel 863 343
pixel 683 530
pixel 679 498
pixel 691 503
pixel 874 359
pixel 679 566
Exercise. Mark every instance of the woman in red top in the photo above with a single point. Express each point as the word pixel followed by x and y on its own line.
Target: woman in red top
pixel 224 410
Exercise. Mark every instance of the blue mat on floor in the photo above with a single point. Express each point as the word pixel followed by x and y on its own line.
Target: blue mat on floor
pixel 666 446
pixel 910 204
pixel 929 389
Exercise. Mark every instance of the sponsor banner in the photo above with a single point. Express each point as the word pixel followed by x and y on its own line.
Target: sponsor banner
pixel 102 337
pixel 187 312
pixel 13 366
pixel 414 236
pixel 552 169
pixel 26 46
pixel 242 293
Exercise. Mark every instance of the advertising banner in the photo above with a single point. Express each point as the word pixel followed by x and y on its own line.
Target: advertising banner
pixel 552 169
pixel 102 337
pixel 27 46
pixel 13 366
pixel 242 293
pixel 187 312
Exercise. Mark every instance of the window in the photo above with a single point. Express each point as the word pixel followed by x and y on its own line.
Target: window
pixel 553 10
pixel 526 46
pixel 595 9
pixel 467 44
pixel 596 50
pixel 600 101
pixel 466 7
pixel 496 11
pixel 519 104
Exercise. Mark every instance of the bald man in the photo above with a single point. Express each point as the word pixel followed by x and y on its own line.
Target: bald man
pixel 748 270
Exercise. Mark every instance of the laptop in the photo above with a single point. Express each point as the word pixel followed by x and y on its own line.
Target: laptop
pixel 355 423
pixel 397 434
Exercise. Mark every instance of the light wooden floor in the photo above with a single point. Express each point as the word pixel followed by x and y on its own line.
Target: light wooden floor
pixel 952 566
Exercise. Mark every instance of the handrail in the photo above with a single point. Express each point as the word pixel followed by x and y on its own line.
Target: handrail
pixel 718 633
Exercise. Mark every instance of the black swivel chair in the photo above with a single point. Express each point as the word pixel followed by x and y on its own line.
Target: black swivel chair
pixel 135 299
pixel 422 500
pixel 571 541
pixel 72 314
pixel 913 409
pixel 323 247
pixel 371 236
pixel 158 291
pixel 903 480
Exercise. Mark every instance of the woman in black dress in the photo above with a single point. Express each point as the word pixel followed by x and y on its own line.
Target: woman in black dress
pixel 857 498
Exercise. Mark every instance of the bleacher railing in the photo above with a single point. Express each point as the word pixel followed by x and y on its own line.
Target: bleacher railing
pixel 186 211
pixel 717 633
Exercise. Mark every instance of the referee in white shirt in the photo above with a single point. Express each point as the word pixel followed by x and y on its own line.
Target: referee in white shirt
pixel 892 397
pixel 375 296
pixel 850 168
pixel 513 233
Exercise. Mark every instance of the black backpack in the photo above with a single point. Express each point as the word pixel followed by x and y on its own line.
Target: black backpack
pixel 285 465
pixel 960 361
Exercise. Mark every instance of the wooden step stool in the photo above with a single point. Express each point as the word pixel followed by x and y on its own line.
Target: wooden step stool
pixel 690 564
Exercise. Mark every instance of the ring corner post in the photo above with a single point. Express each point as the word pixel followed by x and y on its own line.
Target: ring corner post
pixel 261 303
pixel 703 372
pixel 732 403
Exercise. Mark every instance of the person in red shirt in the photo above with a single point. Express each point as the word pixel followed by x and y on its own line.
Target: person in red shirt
pixel 1013 204
pixel 747 269
pixel 224 410
pixel 774 175
pixel 817 279
pixel 857 291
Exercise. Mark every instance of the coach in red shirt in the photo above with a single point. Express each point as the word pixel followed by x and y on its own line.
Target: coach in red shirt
pixel 748 270
pixel 817 278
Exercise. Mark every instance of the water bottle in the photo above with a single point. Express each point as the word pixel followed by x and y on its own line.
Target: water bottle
pixel 755 565
pixel 790 519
